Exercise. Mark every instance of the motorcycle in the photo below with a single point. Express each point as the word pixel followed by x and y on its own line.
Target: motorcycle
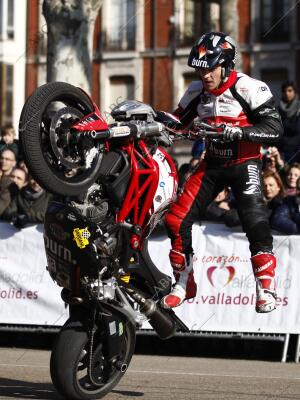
pixel 113 184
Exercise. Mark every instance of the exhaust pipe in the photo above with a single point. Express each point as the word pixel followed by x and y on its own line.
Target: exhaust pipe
pixel 159 319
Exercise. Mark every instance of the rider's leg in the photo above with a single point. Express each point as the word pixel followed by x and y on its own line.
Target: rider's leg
pixel 185 287
pixel 253 215
pixel 264 265
pixel 197 193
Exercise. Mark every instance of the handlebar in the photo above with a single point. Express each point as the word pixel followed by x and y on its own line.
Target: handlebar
pixel 206 131
pixel 137 130
pixel 152 129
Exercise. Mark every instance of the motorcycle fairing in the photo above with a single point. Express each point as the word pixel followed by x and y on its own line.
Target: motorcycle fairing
pixel 91 122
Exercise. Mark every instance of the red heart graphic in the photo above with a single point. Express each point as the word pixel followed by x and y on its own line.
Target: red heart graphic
pixel 213 268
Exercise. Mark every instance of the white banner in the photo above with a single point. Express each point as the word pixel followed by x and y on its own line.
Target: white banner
pixel 27 293
pixel 226 289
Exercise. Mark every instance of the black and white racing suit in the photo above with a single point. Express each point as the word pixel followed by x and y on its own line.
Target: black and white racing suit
pixel 245 102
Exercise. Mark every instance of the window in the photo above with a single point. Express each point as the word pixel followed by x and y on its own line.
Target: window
pixel 121 88
pixel 6 19
pixel 190 28
pixel 275 20
pixel 197 17
pixel 10 19
pixel 120 33
pixel 6 93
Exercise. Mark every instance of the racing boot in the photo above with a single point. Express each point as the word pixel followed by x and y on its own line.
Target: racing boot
pixel 185 286
pixel 264 265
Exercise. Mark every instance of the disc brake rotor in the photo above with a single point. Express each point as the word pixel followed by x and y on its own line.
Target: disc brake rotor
pixel 61 138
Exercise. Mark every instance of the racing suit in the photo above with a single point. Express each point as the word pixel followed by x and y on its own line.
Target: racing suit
pixel 244 102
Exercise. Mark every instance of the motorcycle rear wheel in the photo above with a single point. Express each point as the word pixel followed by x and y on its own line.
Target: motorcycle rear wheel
pixel 54 158
pixel 69 364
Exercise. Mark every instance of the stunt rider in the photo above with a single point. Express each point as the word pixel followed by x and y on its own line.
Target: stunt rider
pixel 246 106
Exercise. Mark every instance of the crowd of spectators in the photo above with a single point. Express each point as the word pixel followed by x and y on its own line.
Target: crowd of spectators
pixel 22 200
pixel 281 173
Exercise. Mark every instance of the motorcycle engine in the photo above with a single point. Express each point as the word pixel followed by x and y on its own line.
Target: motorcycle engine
pixel 92 205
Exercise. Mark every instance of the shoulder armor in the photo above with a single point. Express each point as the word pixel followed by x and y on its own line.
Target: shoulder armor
pixel 253 91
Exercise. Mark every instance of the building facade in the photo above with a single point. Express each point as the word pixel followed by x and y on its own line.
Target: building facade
pixel 141 48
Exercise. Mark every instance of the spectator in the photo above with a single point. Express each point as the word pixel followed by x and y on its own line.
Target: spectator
pixel 292 174
pixel 289 109
pixel 29 206
pixel 286 217
pixel 19 177
pixel 7 162
pixel 198 151
pixel 22 165
pixel 273 160
pixel 222 210
pixel 8 141
pixel 273 190
pixel 8 190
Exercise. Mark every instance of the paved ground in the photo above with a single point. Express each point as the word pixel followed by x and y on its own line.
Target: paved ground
pixel 25 374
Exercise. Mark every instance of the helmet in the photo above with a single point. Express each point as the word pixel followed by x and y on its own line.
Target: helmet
pixel 212 49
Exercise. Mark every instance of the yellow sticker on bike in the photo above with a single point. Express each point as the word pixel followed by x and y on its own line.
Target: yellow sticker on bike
pixel 81 237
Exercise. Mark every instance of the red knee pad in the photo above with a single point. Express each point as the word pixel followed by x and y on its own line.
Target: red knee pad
pixel 263 264
pixel 178 260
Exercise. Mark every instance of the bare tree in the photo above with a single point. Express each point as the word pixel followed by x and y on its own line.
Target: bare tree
pixel 70 25
pixel 230 22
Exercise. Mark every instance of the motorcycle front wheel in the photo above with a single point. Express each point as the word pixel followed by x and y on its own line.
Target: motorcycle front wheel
pixel 60 162
pixel 77 376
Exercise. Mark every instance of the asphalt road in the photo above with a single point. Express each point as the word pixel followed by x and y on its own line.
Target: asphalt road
pixel 24 374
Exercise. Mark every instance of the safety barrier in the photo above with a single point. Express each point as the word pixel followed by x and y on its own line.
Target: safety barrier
pixel 226 290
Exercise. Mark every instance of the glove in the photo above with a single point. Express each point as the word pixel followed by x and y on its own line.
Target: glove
pixel 19 220
pixel 232 133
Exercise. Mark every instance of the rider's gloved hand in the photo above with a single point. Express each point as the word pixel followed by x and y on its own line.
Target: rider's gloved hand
pixel 232 133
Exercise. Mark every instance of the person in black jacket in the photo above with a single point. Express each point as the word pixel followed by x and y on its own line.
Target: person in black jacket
pixel 274 190
pixel 286 217
pixel 289 109
pixel 222 209
pixel 29 206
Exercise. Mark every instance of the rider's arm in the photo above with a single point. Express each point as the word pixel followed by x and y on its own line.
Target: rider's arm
pixel 267 126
